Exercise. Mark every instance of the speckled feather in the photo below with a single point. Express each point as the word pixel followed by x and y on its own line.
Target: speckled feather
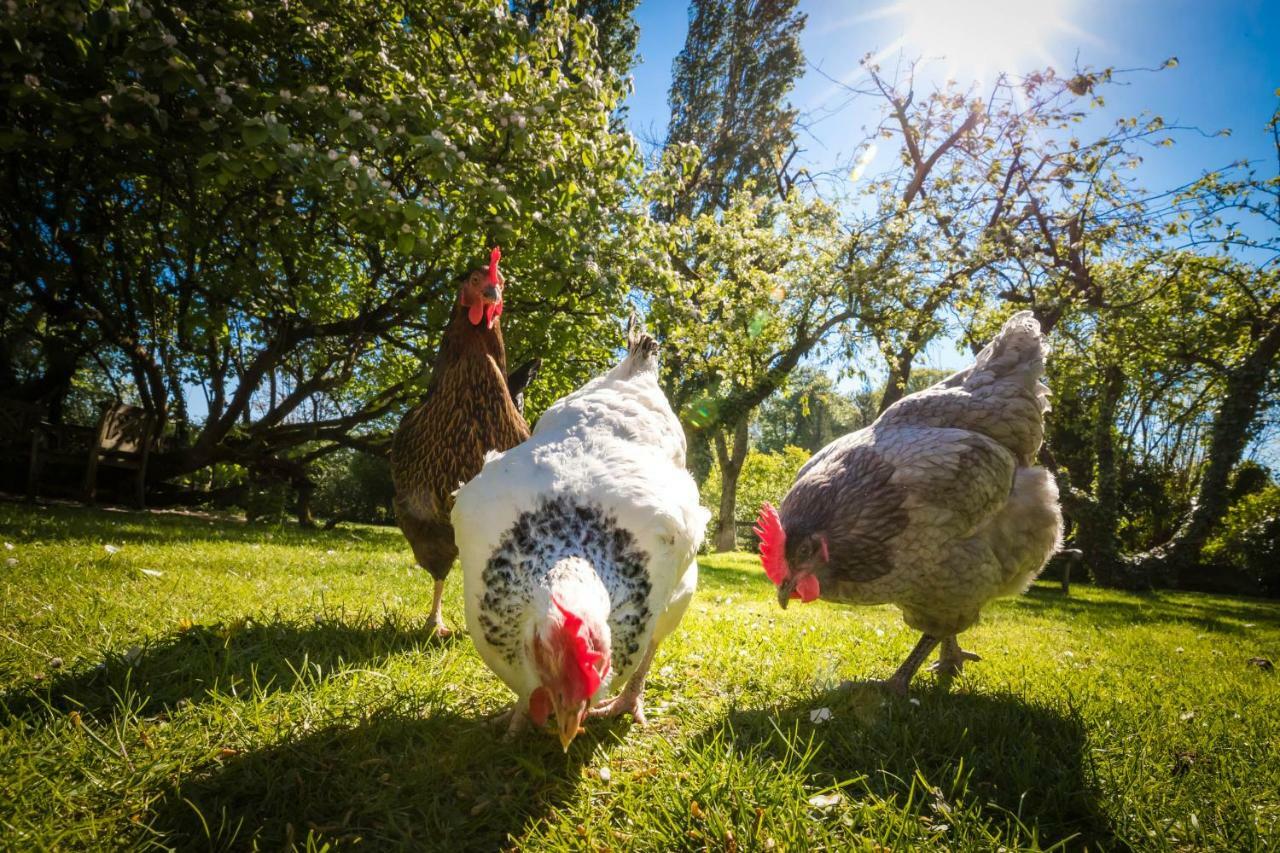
pixel 936 507
pixel 540 538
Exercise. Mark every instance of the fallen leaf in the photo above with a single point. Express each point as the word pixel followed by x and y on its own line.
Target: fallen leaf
pixel 696 810
pixel 74 716
pixel 1263 664
pixel 819 715
pixel 152 573
pixel 227 752
pixel 133 654
pixel 111 549
pixel 11 562
pixel 1187 715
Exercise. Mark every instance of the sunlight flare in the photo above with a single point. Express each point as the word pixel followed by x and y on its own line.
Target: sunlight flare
pixel 980 39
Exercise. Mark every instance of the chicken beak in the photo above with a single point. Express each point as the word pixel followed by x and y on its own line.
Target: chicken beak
pixel 569 723
pixel 491 293
pixel 787 589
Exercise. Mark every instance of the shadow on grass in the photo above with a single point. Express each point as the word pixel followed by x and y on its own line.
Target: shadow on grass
pixel 1216 613
pixel 1019 767
pixel 188 665
pixel 393 781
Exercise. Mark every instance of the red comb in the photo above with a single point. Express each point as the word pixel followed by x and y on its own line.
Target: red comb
pixel 773 554
pixel 773 544
pixel 583 678
pixel 494 257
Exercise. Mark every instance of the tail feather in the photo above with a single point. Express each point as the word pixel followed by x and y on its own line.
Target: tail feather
pixel 1019 350
pixel 1000 395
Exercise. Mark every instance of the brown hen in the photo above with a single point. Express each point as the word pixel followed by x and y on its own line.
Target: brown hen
pixel 470 409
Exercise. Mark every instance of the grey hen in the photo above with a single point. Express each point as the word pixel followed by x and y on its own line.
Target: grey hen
pixel 937 507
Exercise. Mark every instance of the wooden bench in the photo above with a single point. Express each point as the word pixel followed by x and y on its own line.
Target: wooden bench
pixel 121 440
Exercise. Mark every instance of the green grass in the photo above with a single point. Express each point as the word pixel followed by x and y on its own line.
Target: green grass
pixel 221 685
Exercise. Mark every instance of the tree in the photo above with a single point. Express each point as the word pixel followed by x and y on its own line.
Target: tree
pixel 722 186
pixel 271 202
pixel 728 97
pixel 809 413
pixel 764 477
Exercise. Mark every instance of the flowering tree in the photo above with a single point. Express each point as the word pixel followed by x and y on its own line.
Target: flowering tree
pixel 271 202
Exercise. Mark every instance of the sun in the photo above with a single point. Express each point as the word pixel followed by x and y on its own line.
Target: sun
pixel 979 39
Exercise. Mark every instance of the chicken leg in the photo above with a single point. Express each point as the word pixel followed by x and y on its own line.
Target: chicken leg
pixel 515 719
pixel 435 622
pixel 952 658
pixel 901 678
pixel 631 699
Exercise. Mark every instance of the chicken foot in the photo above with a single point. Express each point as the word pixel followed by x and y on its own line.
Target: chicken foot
pixel 901 678
pixel 631 699
pixel 514 718
pixel 952 658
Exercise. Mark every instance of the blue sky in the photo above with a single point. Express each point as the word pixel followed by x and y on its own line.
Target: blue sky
pixel 1228 52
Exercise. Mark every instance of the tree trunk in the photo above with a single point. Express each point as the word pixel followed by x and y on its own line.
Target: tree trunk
pixel 1099 521
pixel 305 490
pixel 730 467
pixel 895 385
pixel 1229 435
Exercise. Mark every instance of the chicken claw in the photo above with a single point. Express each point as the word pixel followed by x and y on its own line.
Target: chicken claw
pixel 952 658
pixel 514 718
pixel 625 702
pixel 631 699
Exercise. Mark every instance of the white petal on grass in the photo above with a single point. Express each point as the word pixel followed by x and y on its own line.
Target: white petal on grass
pixel 819 715
pixel 111 549
pixel 152 573
pixel 826 801
pixel 8 546
pixel 11 562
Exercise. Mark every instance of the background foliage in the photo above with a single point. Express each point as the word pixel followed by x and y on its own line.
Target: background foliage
pixel 249 218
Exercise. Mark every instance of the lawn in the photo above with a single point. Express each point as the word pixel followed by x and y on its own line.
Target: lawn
pixel 176 681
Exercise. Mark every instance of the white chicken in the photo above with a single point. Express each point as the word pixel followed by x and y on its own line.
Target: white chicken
pixel 577 548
